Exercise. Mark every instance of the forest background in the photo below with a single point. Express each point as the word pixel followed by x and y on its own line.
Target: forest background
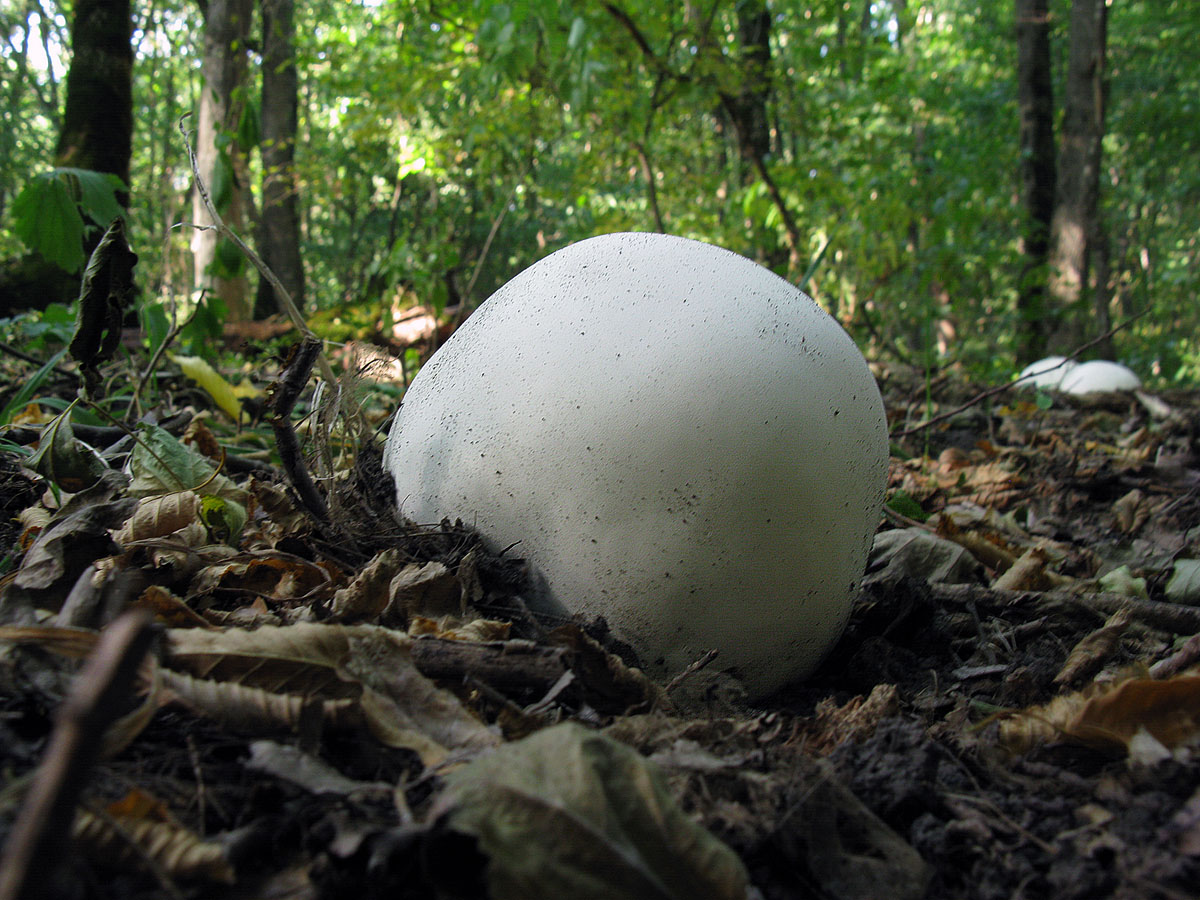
pixel 960 184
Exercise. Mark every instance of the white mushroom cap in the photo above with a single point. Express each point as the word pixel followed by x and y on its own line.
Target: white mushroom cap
pixel 1100 376
pixel 675 437
pixel 1047 373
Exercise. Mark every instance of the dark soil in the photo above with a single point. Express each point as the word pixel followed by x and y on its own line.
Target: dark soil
pixel 888 773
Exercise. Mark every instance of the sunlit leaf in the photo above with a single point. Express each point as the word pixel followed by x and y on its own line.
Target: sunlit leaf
pixel 222 392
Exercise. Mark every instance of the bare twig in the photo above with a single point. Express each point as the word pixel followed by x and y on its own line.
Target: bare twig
pixel 487 244
pixel 30 358
pixel 503 665
pixel 1183 658
pixel 692 668
pixel 1170 617
pixel 282 397
pixel 135 408
pixel 286 302
pixel 41 832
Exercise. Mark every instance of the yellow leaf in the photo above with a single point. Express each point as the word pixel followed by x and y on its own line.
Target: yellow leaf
pixel 1108 717
pixel 208 378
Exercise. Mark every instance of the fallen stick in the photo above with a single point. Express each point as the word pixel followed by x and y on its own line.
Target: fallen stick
pixel 1167 616
pixel 41 833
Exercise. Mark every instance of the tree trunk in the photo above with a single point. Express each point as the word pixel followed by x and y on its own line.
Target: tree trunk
pixel 96 134
pixel 97 128
pixel 1035 96
pixel 222 163
pixel 1074 226
pixel 749 105
pixel 279 222
pixel 748 113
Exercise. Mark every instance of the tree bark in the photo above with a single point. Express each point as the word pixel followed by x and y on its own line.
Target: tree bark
pixel 749 105
pixel 279 222
pixel 745 109
pixel 1035 97
pixel 97 128
pixel 748 113
pixel 1074 226
pixel 222 168
pixel 96 134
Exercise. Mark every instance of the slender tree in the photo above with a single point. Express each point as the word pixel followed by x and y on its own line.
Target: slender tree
pixel 97 127
pixel 96 133
pixel 1035 97
pixel 1075 227
pixel 747 111
pixel 279 221
pixel 221 160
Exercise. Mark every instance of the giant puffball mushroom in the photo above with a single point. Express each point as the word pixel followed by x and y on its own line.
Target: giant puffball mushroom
pixel 1099 376
pixel 677 440
pixel 1046 374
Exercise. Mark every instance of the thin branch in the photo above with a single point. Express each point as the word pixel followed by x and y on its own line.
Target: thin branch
pixel 1171 617
pixel 651 188
pixel 30 358
pixel 281 293
pixel 41 834
pixel 281 398
pixel 636 33
pixel 135 408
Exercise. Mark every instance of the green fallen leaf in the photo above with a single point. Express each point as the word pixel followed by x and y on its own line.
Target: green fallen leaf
pixel 1184 586
pixel 63 459
pixel 904 504
pixel 224 518
pixel 1122 581
pixel 569 813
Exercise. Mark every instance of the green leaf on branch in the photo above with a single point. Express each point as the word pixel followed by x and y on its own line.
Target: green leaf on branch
pixel 228 261
pixel 49 213
pixel 248 130
pixel 47 219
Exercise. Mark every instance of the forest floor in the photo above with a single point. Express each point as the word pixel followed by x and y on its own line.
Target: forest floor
pixel 351 708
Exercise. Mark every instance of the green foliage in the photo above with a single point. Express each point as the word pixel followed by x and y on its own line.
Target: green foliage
pixel 443 147
pixel 204 330
pixel 28 389
pixel 228 261
pixel 56 209
pixel 35 332
pixel 903 503
pixel 248 128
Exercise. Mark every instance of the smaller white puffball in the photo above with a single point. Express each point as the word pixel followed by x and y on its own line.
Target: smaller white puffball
pixel 1100 376
pixel 1046 374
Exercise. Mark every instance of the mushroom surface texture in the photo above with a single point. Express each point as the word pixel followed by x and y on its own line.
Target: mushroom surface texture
pixel 1046 373
pixel 1099 376
pixel 674 437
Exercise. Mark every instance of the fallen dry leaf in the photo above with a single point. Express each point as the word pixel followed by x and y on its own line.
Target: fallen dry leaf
pixel 368 664
pixel 1090 654
pixel 126 841
pixel 159 515
pixel 1109 716
pixel 367 595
